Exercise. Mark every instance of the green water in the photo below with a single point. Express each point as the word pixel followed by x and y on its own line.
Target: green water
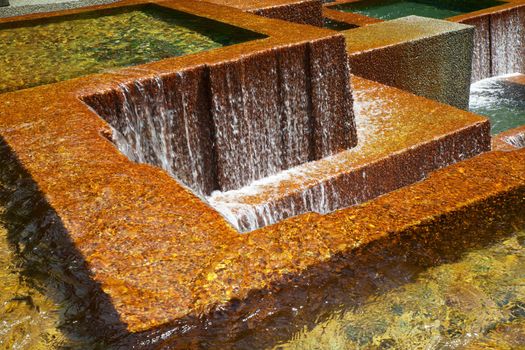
pixel 451 306
pixel 478 299
pixel 391 9
pixel 47 51
pixel 502 101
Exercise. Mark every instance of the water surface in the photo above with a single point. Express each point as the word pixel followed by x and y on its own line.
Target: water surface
pixel 391 9
pixel 46 51
pixel 476 300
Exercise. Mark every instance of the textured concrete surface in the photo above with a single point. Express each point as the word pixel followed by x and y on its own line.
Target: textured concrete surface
pixel 169 267
pixel 428 57
pixel 499 47
pixel 59 110
pixel 250 88
pixel 298 11
pixel 239 129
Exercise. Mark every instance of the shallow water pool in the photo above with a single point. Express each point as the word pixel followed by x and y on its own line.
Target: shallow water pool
pixel 50 50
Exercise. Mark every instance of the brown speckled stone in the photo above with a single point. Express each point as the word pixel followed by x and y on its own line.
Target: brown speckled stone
pixel 402 138
pixel 497 35
pixel 161 254
pixel 298 11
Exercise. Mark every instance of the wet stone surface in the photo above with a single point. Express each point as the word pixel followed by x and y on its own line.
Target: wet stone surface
pixel 470 303
pixel 446 307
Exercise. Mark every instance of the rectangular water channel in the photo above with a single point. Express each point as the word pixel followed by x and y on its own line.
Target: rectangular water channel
pixel 49 50
pixel 391 9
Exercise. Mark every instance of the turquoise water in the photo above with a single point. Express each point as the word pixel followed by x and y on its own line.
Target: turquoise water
pixel 502 101
pixel 391 9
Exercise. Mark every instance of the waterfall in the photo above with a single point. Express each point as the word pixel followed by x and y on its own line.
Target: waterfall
pixel 222 126
pixel 508 42
pixel 517 141
pixel 499 44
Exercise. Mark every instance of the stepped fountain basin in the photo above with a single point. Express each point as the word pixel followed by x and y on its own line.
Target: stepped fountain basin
pixel 499 44
pixel 213 101
pixel 165 258
pixel 169 266
pixel 399 144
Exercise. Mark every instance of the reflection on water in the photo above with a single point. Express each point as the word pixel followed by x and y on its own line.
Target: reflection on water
pixel 447 307
pixel 47 51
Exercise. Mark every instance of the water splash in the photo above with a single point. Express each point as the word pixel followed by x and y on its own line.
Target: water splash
pixel 225 125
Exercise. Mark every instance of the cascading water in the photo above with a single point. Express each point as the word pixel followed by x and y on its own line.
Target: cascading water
pixel 507 31
pixel 220 127
pixel 517 141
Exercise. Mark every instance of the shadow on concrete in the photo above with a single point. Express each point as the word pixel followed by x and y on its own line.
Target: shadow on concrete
pixel 266 318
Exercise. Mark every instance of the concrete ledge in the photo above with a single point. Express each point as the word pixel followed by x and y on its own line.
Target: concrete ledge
pixel 498 38
pixel 428 57
pixel 137 210
pixel 165 267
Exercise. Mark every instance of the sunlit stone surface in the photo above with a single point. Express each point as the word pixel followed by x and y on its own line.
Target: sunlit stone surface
pixel 103 248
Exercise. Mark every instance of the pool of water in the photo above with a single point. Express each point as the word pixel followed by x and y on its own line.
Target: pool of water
pixel 391 9
pixel 478 299
pixel 501 100
pixel 50 50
